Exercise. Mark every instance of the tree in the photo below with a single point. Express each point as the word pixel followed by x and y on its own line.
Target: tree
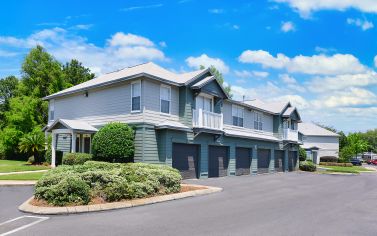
pixel 356 144
pixel 33 143
pixel 220 78
pixel 302 154
pixel 371 137
pixel 41 74
pixel 8 87
pixel 75 73
pixel 342 140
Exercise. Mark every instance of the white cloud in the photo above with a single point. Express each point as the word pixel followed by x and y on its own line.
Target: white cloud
pixel 287 26
pixel 306 7
pixel 133 8
pixel 249 74
pixel 291 83
pixel 163 44
pixel 316 64
pixel 121 49
pixel 216 11
pixel 82 27
pixel 4 53
pixel 196 62
pixel 363 24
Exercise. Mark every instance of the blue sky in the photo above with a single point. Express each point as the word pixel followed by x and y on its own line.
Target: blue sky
pixel 320 55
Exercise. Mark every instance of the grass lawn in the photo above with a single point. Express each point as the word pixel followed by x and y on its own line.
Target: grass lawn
pixel 353 169
pixel 16 166
pixel 27 176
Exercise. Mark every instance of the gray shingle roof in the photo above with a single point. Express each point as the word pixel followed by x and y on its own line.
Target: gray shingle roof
pixel 310 129
pixel 274 107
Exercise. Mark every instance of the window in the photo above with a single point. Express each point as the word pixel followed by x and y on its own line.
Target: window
pixel 258 121
pixel 237 114
pixel 204 103
pixel 165 99
pixel 52 109
pixel 136 96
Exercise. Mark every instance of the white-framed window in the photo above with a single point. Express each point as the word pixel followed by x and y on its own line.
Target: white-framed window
pixel 258 121
pixel 165 99
pixel 237 115
pixel 136 96
pixel 204 103
pixel 51 109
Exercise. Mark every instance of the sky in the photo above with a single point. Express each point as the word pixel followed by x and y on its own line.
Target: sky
pixel 318 54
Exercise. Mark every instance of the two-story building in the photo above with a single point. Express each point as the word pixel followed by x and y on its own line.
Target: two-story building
pixel 183 120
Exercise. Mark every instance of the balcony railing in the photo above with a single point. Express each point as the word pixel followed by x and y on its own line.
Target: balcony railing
pixel 291 135
pixel 207 119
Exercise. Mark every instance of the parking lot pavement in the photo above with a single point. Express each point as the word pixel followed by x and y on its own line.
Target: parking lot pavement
pixel 278 204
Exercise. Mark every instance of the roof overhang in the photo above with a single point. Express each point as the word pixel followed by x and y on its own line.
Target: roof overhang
pixel 73 125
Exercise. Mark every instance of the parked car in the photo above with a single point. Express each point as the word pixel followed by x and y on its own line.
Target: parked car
pixel 356 162
pixel 369 162
pixel 374 162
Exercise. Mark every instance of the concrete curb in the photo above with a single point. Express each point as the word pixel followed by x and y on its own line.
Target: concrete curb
pixel 17 182
pixel 28 208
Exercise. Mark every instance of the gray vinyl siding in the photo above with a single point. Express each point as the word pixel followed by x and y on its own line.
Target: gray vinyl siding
pixel 151 97
pixel 186 104
pixel 146 149
pixel 63 143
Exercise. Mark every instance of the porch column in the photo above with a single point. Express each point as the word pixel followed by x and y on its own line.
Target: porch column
pixel 73 142
pixel 53 155
pixel 286 160
pixel 271 168
pixel 254 161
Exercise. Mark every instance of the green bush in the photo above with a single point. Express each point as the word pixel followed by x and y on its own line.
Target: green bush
pixel 302 154
pixel 307 166
pixel 76 158
pixel 328 159
pixel 114 143
pixel 76 184
pixel 335 164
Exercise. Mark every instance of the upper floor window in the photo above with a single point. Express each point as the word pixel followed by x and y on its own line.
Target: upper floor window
pixel 258 121
pixel 204 103
pixel 165 99
pixel 52 109
pixel 237 114
pixel 136 96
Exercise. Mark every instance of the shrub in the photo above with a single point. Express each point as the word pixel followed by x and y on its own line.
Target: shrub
pixel 336 164
pixel 114 142
pixel 109 181
pixel 307 166
pixel 328 159
pixel 76 158
pixel 302 154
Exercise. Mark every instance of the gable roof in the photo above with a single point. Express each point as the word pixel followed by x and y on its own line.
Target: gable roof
pixel 274 107
pixel 149 69
pixel 310 129
pixel 206 81
pixel 76 125
pixel 289 111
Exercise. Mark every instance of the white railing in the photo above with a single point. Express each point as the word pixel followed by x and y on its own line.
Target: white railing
pixel 291 135
pixel 207 119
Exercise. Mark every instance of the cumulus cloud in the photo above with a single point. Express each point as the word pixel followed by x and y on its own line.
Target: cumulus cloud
pixel 316 64
pixel 287 26
pixel 363 24
pixel 120 50
pixel 204 60
pixel 306 7
pixel 250 74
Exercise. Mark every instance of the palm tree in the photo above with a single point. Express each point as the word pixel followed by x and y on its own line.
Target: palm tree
pixel 33 143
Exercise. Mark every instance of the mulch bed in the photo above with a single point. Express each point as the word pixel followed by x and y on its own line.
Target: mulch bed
pixel 99 200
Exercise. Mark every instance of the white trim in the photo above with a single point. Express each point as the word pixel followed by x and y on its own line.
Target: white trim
pixel 135 82
pixel 39 220
pixel 168 87
pixel 238 108
pixel 259 121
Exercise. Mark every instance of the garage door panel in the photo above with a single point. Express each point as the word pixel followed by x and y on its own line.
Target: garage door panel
pixel 292 160
pixel 218 161
pixel 263 160
pixel 279 160
pixel 185 159
pixel 243 161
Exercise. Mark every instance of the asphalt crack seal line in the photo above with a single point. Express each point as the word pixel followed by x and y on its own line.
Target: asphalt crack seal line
pixel 12 223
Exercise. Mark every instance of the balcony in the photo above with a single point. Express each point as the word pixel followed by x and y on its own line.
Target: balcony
pixel 290 135
pixel 207 119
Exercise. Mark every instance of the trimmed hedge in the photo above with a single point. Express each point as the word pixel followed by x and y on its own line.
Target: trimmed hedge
pixel 76 158
pixel 328 159
pixel 114 143
pixel 307 166
pixel 335 164
pixel 76 185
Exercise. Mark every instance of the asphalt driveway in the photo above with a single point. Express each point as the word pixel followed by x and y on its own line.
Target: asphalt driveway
pixel 278 204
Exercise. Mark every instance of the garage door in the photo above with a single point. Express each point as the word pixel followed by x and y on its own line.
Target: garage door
pixel 185 159
pixel 279 161
pixel 218 161
pixel 243 161
pixel 263 160
pixel 292 161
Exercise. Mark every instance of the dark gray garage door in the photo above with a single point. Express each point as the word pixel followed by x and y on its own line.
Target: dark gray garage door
pixel 218 161
pixel 263 160
pixel 292 161
pixel 185 159
pixel 243 161
pixel 279 160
